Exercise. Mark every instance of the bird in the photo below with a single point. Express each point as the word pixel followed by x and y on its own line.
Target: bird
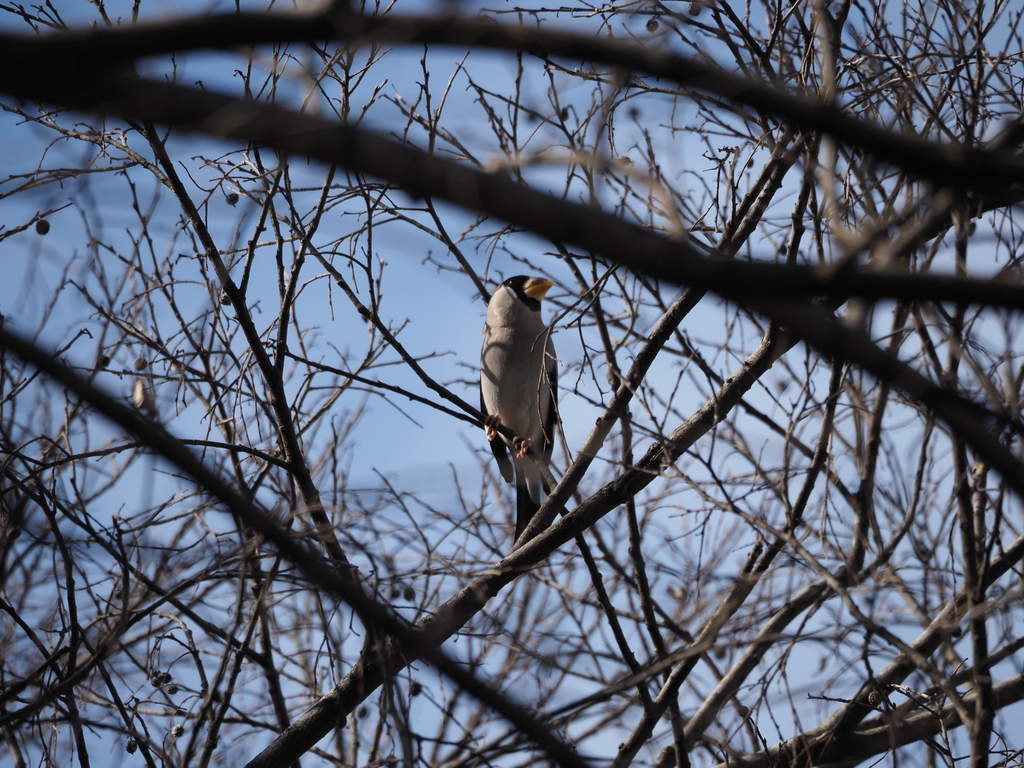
pixel 519 388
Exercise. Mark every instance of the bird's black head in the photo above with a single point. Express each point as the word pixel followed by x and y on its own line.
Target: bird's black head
pixel 529 290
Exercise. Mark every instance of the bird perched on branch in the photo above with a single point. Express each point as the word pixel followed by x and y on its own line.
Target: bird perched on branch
pixel 519 388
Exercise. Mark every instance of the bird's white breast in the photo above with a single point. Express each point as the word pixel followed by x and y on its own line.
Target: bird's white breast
pixel 512 381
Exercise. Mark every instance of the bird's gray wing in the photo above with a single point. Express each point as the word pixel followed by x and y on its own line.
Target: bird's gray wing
pixel 551 417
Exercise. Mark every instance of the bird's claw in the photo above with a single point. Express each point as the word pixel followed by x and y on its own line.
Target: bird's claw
pixel 491 423
pixel 520 445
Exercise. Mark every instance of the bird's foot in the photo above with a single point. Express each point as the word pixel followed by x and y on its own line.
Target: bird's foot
pixel 520 445
pixel 491 423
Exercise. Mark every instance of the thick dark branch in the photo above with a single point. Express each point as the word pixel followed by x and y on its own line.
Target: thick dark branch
pixel 34 65
pixel 879 735
pixel 561 221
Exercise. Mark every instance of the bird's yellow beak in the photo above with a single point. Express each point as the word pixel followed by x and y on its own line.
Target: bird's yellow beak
pixel 537 287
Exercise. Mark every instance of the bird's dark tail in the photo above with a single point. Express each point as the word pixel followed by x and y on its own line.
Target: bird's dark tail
pixel 528 494
pixel 525 507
